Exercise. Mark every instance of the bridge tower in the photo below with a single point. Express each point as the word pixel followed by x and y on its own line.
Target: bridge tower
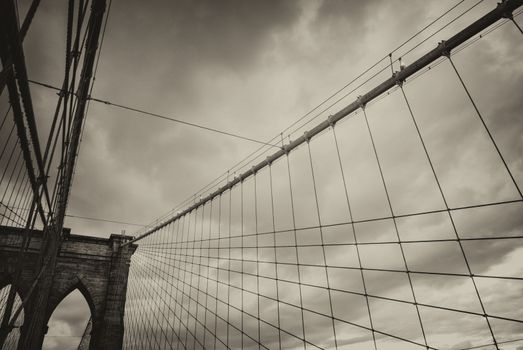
pixel 98 267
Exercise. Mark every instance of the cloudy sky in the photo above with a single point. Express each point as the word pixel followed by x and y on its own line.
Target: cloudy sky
pixel 253 68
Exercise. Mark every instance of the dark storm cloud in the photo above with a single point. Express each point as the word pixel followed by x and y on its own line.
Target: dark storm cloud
pixel 228 33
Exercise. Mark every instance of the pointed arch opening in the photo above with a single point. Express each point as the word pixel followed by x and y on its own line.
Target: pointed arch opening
pixel 68 322
pixel 11 341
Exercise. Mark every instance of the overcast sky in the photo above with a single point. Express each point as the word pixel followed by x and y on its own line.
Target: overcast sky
pixel 254 67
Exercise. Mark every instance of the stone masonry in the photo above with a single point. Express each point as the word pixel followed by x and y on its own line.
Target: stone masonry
pixel 95 266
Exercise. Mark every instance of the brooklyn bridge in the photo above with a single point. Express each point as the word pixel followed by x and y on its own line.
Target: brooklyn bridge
pixel 387 215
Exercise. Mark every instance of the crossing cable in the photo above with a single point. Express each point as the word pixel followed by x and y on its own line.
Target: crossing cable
pixel 161 247
pixel 485 345
pixel 168 277
pixel 176 228
pixel 208 274
pixel 153 253
pixel 229 267
pixel 198 290
pixel 322 243
pixel 484 124
pixel 214 334
pixel 395 224
pixel 447 207
pixel 192 264
pixel 242 255
pixel 275 255
pixel 217 271
pixel 258 261
pixel 296 246
pixel 346 192
pixel 180 304
pixel 383 218
pixel 162 314
pixel 303 339
pixel 146 315
pixel 416 272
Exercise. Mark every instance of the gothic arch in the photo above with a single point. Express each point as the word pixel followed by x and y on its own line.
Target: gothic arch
pixel 94 266
pixel 61 292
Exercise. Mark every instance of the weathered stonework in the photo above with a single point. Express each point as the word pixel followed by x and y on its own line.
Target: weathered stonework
pixel 95 266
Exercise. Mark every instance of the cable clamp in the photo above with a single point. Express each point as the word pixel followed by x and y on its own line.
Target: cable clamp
pixel 42 179
pixel 331 121
pixel 268 161
pixel 307 136
pixel 75 53
pixel 443 46
pixel 253 170
pixel 398 80
pixel 360 102
pixel 508 15
pixel 286 149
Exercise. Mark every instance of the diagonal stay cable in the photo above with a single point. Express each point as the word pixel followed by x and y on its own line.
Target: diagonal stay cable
pixel 160 116
pixel 181 121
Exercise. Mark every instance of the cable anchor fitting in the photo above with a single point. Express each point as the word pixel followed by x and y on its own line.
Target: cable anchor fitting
pixel 508 15
pixel 40 180
pixel 307 136
pixel 398 80
pixel 75 53
pixel 445 50
pixel 361 103
pixel 331 121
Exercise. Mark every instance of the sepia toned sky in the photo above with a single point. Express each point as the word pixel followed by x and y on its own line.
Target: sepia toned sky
pixel 254 67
